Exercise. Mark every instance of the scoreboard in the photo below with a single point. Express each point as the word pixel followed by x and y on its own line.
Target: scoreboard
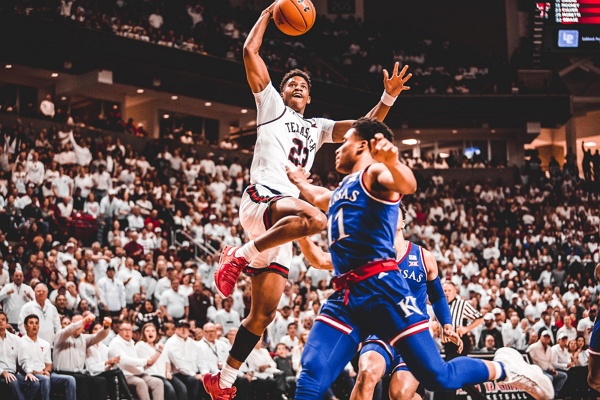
pixel 571 26
pixel 569 12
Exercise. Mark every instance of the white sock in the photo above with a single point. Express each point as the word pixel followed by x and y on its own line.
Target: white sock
pixel 500 374
pixel 248 251
pixel 228 376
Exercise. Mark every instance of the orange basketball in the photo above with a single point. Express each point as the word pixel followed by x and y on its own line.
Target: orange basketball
pixel 294 17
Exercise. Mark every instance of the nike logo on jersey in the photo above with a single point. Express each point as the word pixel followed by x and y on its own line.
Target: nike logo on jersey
pixel 382 274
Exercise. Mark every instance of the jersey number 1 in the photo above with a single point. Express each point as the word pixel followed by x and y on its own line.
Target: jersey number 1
pixel 299 154
pixel 339 217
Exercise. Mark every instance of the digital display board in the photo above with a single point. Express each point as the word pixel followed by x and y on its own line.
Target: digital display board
pixel 571 26
pixel 577 11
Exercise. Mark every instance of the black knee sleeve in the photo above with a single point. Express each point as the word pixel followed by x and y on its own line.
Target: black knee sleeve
pixel 243 344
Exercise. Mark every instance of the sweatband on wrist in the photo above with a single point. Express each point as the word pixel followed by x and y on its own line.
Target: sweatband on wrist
pixel 387 99
pixel 436 295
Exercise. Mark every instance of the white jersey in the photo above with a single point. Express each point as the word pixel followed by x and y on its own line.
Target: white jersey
pixel 284 137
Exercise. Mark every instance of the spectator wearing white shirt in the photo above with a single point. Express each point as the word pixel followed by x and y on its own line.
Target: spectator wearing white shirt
pixel 545 278
pixel 98 363
pixel 63 257
pixel 16 384
pixel 214 353
pixel 132 280
pixel 208 164
pixel 183 356
pixel 561 358
pixel 585 325
pixel 47 107
pixel 297 266
pixel 291 339
pixel 109 208
pixel 264 369
pixel 35 170
pixel 133 366
pixel 512 334
pixel 83 155
pixel 162 369
pixel 541 355
pixel 570 295
pixel 491 252
pixel 102 181
pixel 88 290
pixel 84 181
pixel 567 328
pixel 149 280
pixel 70 345
pixel 14 296
pixel 67 156
pixel 48 319
pixel 144 204
pixel 91 206
pixel 227 317
pixel 112 292
pixel 173 304
pixel 65 208
pixel 62 185
pixel 278 328
pixel 164 283
pixel 135 219
pixel 35 360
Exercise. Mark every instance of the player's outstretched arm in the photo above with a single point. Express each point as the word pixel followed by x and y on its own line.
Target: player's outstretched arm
pixel 256 69
pixel 316 257
pixel 391 174
pixel 393 85
pixel 318 196
pixel 437 298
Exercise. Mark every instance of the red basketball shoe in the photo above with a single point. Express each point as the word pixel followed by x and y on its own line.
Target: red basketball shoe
pixel 229 269
pixel 216 392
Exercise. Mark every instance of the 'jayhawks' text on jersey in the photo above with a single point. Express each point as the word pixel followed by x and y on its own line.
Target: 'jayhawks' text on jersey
pixel 360 227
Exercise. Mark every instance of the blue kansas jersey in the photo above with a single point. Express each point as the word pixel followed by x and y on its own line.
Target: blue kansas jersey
pixel 360 227
pixel 412 268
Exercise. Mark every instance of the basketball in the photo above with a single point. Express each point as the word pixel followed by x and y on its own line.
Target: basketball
pixel 294 17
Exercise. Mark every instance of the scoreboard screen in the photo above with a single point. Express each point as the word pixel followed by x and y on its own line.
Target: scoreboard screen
pixel 571 26
pixel 570 12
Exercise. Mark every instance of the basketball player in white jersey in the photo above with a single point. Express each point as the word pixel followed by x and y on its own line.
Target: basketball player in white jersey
pixel 270 210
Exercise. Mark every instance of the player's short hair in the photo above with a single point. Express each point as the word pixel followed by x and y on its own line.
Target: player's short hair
pixel 293 73
pixel 30 316
pixel 366 128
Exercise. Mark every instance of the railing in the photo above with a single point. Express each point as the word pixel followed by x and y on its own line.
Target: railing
pixel 203 247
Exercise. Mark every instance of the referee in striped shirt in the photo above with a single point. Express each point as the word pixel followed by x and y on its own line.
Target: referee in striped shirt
pixel 464 319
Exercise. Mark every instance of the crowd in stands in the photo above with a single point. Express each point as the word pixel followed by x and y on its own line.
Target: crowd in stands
pixel 103 256
pixel 336 50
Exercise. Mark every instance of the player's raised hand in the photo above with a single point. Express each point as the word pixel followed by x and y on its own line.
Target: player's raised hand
pixel 269 10
pixel 297 175
pixel 394 84
pixel 383 150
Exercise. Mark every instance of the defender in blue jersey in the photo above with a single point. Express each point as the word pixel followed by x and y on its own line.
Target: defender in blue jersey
pixel 594 350
pixel 377 358
pixel 372 297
